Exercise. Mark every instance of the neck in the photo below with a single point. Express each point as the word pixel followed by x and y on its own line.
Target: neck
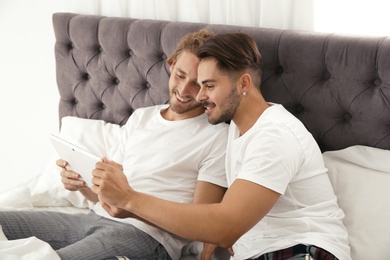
pixel 249 111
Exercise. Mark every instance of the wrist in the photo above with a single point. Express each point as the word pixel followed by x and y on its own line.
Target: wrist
pixel 129 201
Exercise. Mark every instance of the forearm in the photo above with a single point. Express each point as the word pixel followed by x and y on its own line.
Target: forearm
pixel 244 204
pixel 201 222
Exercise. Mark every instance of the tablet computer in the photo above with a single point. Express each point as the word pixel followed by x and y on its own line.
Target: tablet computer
pixel 79 160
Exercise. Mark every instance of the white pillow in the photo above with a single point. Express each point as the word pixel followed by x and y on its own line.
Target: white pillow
pixel 360 176
pixel 96 136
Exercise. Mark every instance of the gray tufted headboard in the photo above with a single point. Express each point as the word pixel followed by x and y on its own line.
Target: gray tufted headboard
pixel 337 85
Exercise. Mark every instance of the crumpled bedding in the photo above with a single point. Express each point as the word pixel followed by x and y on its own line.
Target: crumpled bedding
pixel 25 249
pixel 43 192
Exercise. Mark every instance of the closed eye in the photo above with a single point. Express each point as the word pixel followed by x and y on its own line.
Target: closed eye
pixel 180 76
pixel 196 84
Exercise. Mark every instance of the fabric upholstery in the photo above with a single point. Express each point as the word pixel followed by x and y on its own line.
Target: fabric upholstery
pixel 337 85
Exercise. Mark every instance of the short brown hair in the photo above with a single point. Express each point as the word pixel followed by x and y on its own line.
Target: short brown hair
pixel 235 53
pixel 190 43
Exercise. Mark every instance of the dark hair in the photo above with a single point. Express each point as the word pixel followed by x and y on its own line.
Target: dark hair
pixel 190 43
pixel 234 53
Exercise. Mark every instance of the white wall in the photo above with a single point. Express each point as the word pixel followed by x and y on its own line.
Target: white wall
pixel 29 98
pixel 359 17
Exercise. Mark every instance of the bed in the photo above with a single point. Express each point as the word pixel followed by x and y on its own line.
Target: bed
pixel 337 85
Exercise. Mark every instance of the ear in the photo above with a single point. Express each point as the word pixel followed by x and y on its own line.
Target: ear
pixel 245 83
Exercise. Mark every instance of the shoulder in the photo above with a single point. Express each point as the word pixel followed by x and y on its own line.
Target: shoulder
pixel 147 111
pixel 220 129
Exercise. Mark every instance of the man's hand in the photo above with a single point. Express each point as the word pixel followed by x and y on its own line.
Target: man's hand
pixel 71 181
pixel 111 185
pixel 116 212
pixel 209 249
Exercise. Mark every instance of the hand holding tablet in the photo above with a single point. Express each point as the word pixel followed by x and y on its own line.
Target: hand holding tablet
pixel 79 160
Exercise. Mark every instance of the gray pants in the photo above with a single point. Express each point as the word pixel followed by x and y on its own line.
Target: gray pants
pixel 82 236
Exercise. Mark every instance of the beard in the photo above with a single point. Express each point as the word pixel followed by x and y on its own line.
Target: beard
pixel 182 108
pixel 228 108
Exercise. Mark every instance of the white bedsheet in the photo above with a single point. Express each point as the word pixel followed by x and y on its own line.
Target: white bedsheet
pixel 32 247
pixel 23 249
pixel 31 196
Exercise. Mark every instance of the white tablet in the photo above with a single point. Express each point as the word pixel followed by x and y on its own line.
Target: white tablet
pixel 79 160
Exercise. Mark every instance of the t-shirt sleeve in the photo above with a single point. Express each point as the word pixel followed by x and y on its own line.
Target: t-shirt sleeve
pixel 118 150
pixel 272 157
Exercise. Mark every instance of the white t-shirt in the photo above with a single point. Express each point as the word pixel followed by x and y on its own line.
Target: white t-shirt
pixel 165 159
pixel 280 154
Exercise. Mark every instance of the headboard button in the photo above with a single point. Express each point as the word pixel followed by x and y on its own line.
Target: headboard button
pixel 377 82
pixel 326 75
pixel 279 70
pixel 299 108
pixel 347 116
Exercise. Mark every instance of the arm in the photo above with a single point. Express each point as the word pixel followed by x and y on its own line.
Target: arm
pixel 206 192
pixel 244 204
pixel 71 182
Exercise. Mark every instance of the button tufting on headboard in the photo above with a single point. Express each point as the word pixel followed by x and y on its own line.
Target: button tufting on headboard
pixel 377 82
pixel 298 108
pixel 347 116
pixel 326 75
pixel 279 70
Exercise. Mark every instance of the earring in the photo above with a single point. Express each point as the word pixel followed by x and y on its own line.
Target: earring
pixel 244 94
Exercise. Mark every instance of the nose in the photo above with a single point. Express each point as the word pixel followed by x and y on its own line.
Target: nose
pixel 201 95
pixel 186 89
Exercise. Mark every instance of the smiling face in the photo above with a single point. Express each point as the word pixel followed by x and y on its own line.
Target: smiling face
pixel 217 93
pixel 183 88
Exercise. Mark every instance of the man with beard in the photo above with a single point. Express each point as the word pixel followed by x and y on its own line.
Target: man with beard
pixel 168 151
pixel 280 203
